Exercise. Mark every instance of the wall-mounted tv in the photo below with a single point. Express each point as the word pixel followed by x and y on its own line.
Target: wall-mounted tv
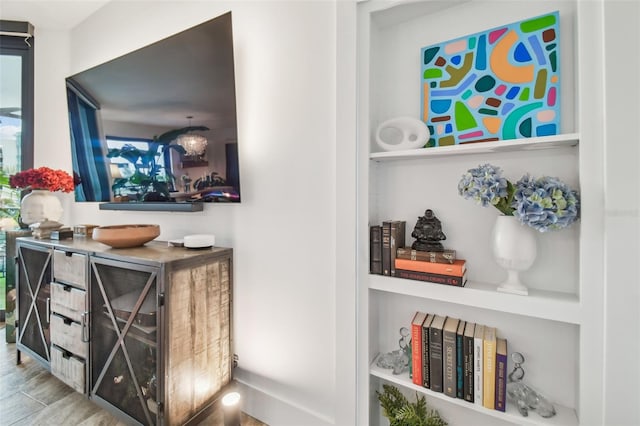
pixel 159 124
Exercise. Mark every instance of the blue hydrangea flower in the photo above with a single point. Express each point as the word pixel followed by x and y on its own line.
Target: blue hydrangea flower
pixel 486 186
pixel 545 204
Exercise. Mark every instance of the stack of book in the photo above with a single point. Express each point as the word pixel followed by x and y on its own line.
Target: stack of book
pixel 389 256
pixel 433 266
pixel 459 358
pixel 384 240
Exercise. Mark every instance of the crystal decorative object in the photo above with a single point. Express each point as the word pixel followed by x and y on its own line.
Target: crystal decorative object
pixel 195 145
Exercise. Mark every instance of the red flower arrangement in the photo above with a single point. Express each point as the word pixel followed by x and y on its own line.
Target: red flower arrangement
pixel 42 178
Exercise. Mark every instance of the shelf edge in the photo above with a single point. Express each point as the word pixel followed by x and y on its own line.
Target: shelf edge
pixel 523 144
pixel 547 305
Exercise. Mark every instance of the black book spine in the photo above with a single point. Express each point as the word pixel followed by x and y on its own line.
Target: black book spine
pixel 426 376
pixel 375 249
pixel 397 237
pixel 386 248
pixel 467 342
pixel 433 278
pixel 435 358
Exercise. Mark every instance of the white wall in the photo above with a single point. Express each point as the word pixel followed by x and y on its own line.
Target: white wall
pixel 622 213
pixel 284 231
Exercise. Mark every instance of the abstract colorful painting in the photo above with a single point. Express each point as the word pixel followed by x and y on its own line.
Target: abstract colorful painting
pixel 494 85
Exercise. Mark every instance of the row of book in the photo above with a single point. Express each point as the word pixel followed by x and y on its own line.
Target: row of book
pixel 389 256
pixel 459 358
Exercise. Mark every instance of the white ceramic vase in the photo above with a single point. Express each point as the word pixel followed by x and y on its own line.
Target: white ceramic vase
pixel 514 249
pixel 40 205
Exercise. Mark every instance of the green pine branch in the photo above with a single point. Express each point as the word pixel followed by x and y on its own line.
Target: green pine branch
pixel 401 412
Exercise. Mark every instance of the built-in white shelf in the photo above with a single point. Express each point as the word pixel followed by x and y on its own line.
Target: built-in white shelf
pixel 565 416
pixel 524 144
pixel 548 305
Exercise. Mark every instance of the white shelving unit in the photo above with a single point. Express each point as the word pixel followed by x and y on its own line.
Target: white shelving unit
pixel 564 416
pixel 557 326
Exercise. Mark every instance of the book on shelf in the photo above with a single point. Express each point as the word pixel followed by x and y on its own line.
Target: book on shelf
pixel 489 363
pixel 416 347
pixel 426 375
pixel 449 372
pixel 467 353
pixel 397 238
pixel 478 367
pixel 435 352
pixel 386 247
pixel 460 360
pixel 501 374
pixel 375 249
pixel 458 268
pixel 432 278
pixel 446 256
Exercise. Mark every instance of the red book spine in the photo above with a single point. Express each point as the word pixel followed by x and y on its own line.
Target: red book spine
pixel 416 347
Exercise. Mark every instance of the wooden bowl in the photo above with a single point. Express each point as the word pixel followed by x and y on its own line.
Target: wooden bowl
pixel 123 236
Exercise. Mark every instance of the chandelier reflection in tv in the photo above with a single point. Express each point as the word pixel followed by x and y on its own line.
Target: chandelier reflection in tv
pixel 194 145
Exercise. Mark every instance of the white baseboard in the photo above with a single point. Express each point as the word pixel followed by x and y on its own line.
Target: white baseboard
pixel 275 411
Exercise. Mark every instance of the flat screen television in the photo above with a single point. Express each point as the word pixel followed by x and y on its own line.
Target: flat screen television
pixel 159 123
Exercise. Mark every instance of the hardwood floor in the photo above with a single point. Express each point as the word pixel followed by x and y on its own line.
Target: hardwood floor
pixel 30 395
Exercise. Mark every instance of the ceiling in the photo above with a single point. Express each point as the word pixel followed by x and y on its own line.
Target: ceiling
pixel 49 14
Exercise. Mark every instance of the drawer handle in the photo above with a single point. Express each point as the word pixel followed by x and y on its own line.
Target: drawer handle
pixel 48 309
pixel 85 328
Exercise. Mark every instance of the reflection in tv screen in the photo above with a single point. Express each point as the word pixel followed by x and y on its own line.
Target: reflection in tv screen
pixel 159 123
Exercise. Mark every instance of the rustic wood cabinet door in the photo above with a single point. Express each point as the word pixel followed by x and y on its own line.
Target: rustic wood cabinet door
pixel 124 323
pixel 33 277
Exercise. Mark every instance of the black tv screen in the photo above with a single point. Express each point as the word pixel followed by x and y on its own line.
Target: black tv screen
pixel 159 123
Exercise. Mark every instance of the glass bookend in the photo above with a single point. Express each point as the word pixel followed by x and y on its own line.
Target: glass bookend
pixel 522 395
pixel 397 360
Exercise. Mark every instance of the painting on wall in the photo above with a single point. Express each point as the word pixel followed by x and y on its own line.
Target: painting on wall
pixel 499 84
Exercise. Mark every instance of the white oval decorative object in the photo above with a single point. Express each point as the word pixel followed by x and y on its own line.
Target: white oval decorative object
pixel 40 205
pixel 402 133
pixel 514 249
pixel 199 240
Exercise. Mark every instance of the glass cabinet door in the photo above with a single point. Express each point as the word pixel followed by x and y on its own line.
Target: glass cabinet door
pixel 124 324
pixel 34 276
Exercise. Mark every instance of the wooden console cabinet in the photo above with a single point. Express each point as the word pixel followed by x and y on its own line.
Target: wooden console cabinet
pixel 143 332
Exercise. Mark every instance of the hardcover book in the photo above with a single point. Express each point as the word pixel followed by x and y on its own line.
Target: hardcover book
pixel 397 236
pixel 467 343
pixel 489 363
pixel 375 249
pixel 446 256
pixel 460 360
pixel 426 374
pixel 478 367
pixel 386 247
pixel 432 278
pixel 435 353
pixel 457 268
pixel 501 374
pixel 449 338
pixel 416 347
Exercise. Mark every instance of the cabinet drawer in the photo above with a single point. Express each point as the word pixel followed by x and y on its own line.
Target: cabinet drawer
pixel 70 268
pixel 68 368
pixel 68 301
pixel 68 335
